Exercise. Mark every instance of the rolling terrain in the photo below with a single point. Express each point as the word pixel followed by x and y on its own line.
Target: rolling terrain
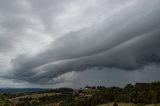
pixel 140 94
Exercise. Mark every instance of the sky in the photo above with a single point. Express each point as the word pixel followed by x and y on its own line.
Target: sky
pixel 74 43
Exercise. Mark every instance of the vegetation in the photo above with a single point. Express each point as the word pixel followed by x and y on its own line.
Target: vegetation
pixel 140 94
pixel 115 104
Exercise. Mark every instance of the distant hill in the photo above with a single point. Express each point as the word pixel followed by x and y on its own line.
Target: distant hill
pixel 22 90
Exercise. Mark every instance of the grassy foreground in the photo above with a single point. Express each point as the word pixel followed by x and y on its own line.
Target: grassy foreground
pixel 128 104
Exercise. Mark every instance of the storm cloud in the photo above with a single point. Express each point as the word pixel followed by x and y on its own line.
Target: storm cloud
pixel 44 40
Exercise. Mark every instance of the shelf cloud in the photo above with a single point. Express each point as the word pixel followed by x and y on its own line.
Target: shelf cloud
pixel 43 41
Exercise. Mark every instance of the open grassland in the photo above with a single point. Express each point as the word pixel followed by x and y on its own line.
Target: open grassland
pixel 37 95
pixel 5 102
pixel 34 96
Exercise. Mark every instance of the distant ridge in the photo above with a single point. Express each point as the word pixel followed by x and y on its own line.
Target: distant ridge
pixel 22 90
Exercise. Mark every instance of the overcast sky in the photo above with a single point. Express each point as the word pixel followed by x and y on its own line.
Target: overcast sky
pixel 74 43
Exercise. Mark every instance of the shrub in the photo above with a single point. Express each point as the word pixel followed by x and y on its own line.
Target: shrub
pixel 115 104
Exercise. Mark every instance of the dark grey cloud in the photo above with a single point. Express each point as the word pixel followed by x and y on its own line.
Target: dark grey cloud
pixel 131 55
pixel 107 76
pixel 123 35
pixel 127 40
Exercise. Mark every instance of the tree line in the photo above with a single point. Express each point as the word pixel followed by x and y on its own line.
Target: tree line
pixel 140 93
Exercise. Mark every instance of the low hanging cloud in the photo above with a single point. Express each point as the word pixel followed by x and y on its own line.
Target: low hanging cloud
pixel 131 55
pixel 125 38
pixel 107 76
